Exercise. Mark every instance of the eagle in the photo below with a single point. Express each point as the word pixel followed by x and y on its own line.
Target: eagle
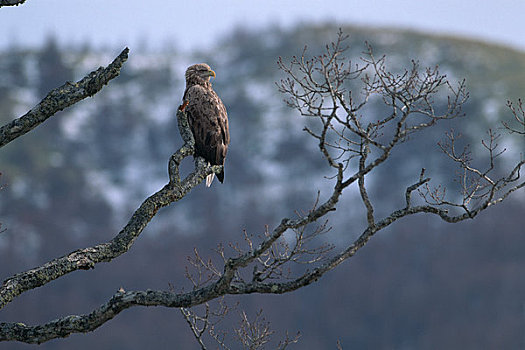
pixel 207 117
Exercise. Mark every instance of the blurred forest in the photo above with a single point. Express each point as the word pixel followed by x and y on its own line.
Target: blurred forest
pixel 75 180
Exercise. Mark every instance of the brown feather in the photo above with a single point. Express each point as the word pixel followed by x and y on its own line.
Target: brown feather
pixel 207 116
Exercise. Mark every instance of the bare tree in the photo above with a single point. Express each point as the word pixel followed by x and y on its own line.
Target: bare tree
pixel 354 144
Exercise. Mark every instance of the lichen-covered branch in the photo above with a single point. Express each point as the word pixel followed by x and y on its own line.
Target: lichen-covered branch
pixel 61 98
pixel 88 257
pixel 122 300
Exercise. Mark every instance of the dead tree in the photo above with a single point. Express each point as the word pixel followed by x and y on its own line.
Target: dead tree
pixel 354 145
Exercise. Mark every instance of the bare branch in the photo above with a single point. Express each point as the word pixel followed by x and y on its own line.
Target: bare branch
pixel 412 188
pixel 61 98
pixel 479 188
pixel 519 115
pixel 253 335
pixel 206 324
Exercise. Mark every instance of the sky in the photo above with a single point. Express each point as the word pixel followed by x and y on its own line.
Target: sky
pixel 197 24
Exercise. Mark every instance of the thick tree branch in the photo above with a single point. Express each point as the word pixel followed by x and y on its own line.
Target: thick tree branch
pixel 88 257
pixel 67 325
pixel 61 98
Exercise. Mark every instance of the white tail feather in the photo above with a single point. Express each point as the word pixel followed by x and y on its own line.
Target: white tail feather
pixel 209 179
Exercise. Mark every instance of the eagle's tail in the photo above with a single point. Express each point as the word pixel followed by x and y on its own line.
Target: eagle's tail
pixel 209 179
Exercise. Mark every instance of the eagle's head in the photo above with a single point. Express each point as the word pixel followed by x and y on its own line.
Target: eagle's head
pixel 199 74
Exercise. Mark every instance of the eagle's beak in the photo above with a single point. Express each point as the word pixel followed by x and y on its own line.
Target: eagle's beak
pixel 211 73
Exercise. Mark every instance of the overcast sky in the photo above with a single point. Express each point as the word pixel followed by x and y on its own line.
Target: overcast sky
pixel 193 24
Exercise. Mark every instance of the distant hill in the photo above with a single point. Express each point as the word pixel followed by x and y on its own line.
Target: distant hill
pixel 75 180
